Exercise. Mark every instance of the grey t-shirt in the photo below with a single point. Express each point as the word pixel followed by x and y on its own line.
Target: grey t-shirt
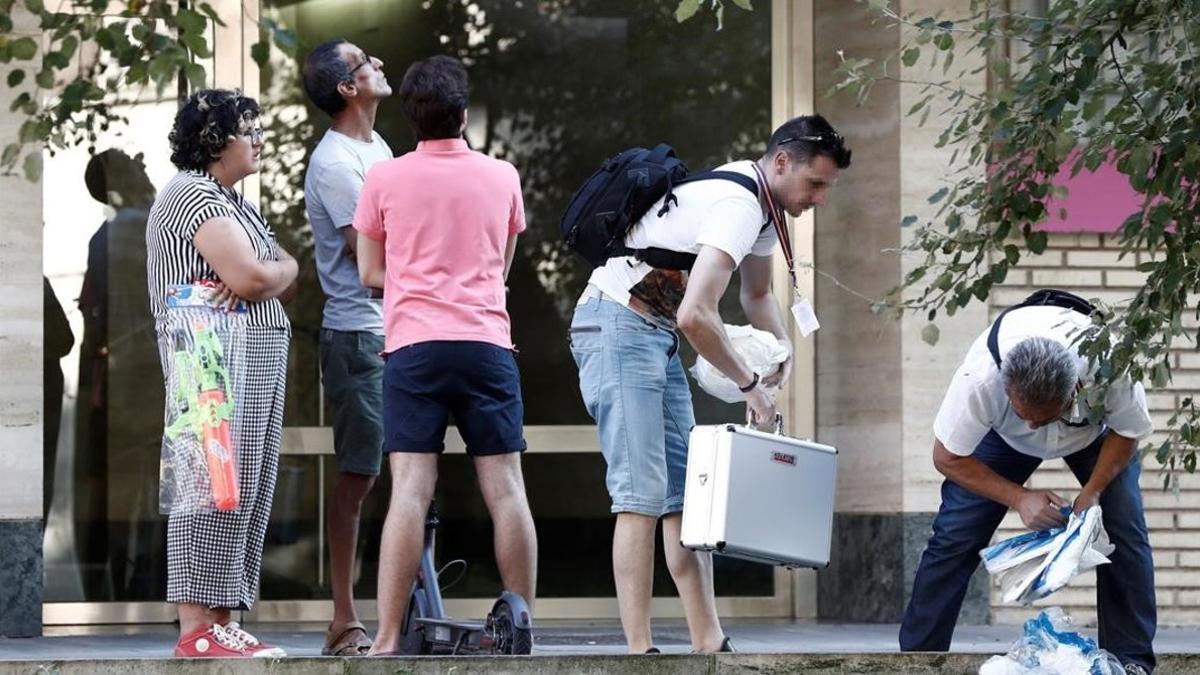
pixel 331 185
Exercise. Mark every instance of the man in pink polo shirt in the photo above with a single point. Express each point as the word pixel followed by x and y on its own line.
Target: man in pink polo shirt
pixel 437 231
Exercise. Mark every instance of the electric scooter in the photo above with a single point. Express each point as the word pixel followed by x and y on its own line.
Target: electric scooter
pixel 508 628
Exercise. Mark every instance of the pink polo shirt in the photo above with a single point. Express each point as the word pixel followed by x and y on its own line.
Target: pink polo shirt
pixel 444 213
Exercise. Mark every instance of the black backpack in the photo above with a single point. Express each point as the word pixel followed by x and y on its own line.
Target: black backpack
pixel 1045 297
pixel 616 197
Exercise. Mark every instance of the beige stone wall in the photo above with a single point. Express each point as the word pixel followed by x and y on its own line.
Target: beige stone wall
pixel 858 365
pixel 1090 265
pixel 21 330
pixel 923 170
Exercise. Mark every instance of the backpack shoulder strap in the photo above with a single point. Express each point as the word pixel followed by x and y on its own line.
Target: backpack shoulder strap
pixel 993 341
pixel 1051 297
pixel 739 178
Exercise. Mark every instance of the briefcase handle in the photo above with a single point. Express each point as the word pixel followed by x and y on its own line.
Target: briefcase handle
pixel 778 421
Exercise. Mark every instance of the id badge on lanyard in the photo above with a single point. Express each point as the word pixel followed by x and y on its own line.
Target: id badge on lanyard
pixel 802 310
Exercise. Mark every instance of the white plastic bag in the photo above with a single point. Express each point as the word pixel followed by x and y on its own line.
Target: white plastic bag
pixel 1033 565
pixel 758 349
pixel 1050 647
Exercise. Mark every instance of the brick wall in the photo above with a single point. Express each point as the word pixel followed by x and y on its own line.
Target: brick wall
pixel 1089 265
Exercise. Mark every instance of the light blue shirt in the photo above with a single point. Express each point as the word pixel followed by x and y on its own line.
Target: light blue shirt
pixel 331 186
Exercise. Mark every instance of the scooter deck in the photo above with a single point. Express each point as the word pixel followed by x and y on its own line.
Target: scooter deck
pixel 450 623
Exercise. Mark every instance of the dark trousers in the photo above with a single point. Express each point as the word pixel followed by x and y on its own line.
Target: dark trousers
pixel 966 522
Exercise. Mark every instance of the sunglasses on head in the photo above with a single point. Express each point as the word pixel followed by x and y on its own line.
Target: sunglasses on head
pixel 829 138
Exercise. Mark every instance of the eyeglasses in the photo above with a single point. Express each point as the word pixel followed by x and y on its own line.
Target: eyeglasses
pixel 366 60
pixel 255 135
pixel 830 138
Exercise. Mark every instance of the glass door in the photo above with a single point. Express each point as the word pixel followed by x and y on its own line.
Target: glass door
pixel 556 89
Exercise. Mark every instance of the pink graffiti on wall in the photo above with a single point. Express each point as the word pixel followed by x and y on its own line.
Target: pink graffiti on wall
pixel 1097 201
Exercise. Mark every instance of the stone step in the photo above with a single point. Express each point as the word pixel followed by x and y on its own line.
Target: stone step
pixel 665 664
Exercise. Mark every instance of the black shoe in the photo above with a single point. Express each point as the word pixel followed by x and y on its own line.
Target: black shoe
pixel 653 650
pixel 727 646
pixel 1135 669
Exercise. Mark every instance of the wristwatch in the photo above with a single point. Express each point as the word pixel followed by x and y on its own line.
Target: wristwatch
pixel 753 383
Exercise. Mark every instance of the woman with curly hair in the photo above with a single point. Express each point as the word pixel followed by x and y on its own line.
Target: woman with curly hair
pixel 202 230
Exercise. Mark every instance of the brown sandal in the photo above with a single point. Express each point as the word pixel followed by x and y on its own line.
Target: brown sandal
pixel 343 644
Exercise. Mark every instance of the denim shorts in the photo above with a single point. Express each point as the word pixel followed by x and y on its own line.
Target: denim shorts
pixel 633 385
pixel 476 382
pixel 352 374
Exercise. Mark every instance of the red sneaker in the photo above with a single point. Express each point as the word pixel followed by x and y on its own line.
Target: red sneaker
pixel 251 644
pixel 214 641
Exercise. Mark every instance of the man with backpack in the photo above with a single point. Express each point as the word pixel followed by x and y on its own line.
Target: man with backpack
pixel 1013 403
pixel 664 270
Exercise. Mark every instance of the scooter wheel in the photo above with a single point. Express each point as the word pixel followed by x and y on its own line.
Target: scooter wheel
pixel 412 640
pixel 508 638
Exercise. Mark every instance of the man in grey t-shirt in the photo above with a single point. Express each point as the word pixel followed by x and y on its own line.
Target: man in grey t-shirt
pixel 348 84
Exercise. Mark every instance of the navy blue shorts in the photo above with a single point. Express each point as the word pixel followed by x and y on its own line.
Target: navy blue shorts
pixel 476 382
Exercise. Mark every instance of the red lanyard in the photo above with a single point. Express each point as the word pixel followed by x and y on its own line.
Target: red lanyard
pixel 779 220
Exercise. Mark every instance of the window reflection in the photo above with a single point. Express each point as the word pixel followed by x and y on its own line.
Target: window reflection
pixel 104 536
pixel 556 88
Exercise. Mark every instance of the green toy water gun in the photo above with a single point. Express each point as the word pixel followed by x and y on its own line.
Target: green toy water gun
pixel 206 405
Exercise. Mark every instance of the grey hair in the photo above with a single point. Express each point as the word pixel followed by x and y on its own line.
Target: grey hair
pixel 1040 371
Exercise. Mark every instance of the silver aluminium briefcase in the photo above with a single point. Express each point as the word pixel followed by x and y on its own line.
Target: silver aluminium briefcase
pixel 759 496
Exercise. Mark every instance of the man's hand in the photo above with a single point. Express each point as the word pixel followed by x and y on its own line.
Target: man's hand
pixel 1085 500
pixel 1039 509
pixel 760 408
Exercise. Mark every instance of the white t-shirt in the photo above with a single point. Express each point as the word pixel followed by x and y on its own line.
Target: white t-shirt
pixel 332 182
pixel 976 402
pixel 718 213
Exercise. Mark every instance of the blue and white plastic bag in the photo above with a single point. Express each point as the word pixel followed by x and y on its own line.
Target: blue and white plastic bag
pixel 1050 647
pixel 1033 565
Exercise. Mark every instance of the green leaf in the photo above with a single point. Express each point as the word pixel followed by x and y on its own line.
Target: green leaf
pixel 686 10
pixel 908 220
pixel 211 13
pixel 45 78
pixel 930 334
pixel 1012 254
pixel 69 44
pixel 33 166
pixel 1160 376
pixel 197 43
pixel 260 52
pixel 10 154
pixel 6 24
pixel 191 21
pixel 35 6
pixel 939 195
pixel 1064 143
pixel 943 41
pixel 1037 241
pixel 55 60
pixel 944 282
pixel 196 75
pixel 910 56
pixel 744 4
pixel 16 77
pixel 23 49
pixel 137 73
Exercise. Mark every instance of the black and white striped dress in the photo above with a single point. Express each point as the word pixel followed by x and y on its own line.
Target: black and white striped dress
pixel 215 558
